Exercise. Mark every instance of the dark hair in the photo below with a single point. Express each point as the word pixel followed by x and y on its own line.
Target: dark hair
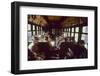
pixel 81 42
pixel 36 38
pixel 46 38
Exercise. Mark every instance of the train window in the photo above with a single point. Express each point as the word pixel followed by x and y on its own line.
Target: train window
pixel 68 34
pixel 84 35
pixel 29 27
pixel 65 34
pixel 76 37
pixel 33 32
pixel 69 29
pixel 85 29
pixel 37 28
pixel 73 29
pixel 33 27
pixel 29 33
pixel 77 29
pixel 85 38
pixel 29 37
pixel 65 29
pixel 72 34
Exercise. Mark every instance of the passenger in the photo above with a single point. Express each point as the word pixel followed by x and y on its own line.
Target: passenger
pixel 35 40
pixel 65 48
pixel 59 40
pixel 84 52
pixel 79 50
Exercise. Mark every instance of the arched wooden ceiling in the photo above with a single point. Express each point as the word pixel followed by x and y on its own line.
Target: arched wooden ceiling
pixel 63 21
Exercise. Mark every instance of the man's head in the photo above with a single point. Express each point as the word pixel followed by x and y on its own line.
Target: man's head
pixel 81 42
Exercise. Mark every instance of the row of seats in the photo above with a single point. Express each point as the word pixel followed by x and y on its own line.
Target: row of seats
pixel 67 50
